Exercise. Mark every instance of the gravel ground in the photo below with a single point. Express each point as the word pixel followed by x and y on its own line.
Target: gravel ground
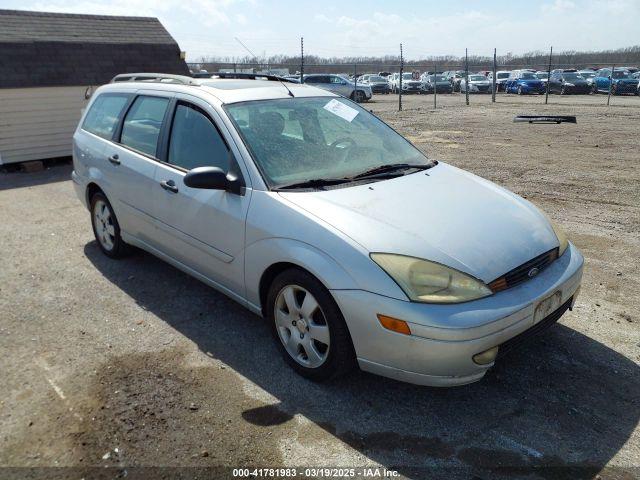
pixel 131 364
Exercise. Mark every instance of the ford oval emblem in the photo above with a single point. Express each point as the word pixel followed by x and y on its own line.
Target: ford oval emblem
pixel 533 272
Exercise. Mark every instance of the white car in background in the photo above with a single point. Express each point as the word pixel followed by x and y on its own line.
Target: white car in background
pixel 501 78
pixel 477 84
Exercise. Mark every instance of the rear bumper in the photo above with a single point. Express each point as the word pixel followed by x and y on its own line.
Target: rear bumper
pixel 444 338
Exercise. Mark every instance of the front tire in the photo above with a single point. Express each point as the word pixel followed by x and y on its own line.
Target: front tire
pixel 520 90
pixel 106 228
pixel 308 326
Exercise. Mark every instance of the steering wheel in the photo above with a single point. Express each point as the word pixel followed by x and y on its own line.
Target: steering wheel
pixel 342 140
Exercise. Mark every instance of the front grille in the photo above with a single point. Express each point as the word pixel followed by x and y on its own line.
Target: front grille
pixel 521 273
pixel 539 327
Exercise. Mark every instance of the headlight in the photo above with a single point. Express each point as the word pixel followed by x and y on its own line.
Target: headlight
pixel 429 282
pixel 560 235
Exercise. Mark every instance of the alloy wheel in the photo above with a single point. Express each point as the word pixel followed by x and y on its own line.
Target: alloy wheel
pixel 103 223
pixel 302 326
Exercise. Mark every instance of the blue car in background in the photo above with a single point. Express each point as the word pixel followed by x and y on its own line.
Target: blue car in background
pixel 524 82
pixel 623 82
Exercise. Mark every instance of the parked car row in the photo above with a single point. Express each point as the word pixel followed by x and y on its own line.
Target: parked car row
pixel 521 82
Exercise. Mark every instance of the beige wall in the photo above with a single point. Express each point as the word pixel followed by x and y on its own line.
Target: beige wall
pixel 38 123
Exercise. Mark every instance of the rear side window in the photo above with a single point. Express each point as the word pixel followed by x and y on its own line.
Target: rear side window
pixel 195 141
pixel 104 115
pixel 141 128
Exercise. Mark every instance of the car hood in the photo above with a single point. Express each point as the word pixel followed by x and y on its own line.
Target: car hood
pixel 443 214
pixel 530 81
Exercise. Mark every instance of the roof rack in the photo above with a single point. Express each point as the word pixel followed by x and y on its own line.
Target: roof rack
pixel 154 78
pixel 246 76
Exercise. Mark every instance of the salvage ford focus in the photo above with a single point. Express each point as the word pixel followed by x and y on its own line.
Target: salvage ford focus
pixel 313 213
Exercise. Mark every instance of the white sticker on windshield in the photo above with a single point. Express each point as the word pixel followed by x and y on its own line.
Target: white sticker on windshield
pixel 341 110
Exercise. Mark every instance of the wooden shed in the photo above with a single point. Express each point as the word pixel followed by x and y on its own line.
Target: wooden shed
pixel 51 62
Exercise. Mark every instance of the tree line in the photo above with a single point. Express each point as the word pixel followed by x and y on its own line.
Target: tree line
pixel 313 63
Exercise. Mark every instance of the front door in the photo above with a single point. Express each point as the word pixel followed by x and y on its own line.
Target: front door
pixel 200 228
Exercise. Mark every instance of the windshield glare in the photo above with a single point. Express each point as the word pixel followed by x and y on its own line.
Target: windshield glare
pixel 407 76
pixel 377 79
pixel 298 139
pixel 477 78
pixel 528 75
pixel 503 75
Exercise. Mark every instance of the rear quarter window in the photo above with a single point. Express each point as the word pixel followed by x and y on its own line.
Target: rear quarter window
pixel 104 114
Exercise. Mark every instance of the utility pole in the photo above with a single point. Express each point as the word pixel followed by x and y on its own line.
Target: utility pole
pixel 546 95
pixel 466 74
pixel 400 80
pixel 301 59
pixel 613 67
pixel 495 67
pixel 355 81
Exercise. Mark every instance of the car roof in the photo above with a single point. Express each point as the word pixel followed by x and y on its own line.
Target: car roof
pixel 224 91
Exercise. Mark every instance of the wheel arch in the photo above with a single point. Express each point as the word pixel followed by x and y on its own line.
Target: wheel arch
pixel 91 190
pixel 266 259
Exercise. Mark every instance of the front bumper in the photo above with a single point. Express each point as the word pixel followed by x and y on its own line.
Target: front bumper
pixel 529 89
pixel 626 87
pixel 578 89
pixel 446 337
pixel 380 89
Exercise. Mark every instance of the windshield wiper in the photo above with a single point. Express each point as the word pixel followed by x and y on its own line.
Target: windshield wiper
pixel 393 167
pixel 314 183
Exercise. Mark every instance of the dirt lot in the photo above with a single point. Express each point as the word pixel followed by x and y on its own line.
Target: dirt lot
pixel 130 364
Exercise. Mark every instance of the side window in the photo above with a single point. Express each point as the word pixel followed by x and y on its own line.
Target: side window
pixel 104 115
pixel 195 141
pixel 337 80
pixel 311 80
pixel 142 124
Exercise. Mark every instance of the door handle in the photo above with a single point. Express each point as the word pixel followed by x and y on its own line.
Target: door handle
pixel 169 185
pixel 114 159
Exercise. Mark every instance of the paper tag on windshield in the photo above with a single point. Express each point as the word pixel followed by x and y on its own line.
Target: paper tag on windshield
pixel 341 110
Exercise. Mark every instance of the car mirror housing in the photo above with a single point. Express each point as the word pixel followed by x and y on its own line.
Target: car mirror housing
pixel 213 178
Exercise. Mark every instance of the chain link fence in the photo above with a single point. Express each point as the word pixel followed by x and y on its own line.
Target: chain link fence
pixel 354 71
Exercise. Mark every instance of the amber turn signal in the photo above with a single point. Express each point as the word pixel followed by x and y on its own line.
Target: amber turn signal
pixel 395 325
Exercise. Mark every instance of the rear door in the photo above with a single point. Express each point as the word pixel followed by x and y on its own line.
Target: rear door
pixel 202 229
pixel 132 160
pixel 340 85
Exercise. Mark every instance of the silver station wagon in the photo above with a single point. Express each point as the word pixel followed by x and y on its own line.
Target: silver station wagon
pixel 313 213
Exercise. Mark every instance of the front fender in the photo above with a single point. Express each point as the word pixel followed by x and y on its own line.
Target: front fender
pixel 264 253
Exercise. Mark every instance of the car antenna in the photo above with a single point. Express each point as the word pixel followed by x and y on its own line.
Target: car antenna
pixel 287 88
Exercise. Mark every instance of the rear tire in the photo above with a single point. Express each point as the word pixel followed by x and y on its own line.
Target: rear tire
pixel 308 326
pixel 358 96
pixel 106 228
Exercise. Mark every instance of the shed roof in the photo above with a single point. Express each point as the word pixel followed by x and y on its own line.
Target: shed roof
pixel 55 49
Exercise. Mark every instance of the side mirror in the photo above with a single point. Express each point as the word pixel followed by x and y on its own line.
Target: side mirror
pixel 213 178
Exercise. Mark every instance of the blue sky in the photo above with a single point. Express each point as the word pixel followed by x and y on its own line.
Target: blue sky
pixel 352 28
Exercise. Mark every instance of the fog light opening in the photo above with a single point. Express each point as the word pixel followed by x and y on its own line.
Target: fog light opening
pixel 486 357
pixel 394 324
